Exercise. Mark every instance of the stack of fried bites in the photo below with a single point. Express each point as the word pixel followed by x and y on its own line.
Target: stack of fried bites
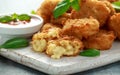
pixel 96 25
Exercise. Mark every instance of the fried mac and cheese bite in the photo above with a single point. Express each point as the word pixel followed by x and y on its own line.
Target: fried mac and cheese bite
pixel 102 40
pixel 97 9
pixel 114 24
pixel 46 9
pixel 40 39
pixel 81 27
pixel 109 5
pixel 66 46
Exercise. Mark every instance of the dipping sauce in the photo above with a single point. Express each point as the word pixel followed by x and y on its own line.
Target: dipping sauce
pixel 19 20
pixel 31 21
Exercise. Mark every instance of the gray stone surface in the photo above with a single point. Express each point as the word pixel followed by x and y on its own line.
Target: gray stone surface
pixel 8 67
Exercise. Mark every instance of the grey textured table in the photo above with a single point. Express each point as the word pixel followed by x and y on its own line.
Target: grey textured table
pixel 8 67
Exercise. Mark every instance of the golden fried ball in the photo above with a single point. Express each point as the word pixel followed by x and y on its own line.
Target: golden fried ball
pixel 81 27
pixel 114 24
pixel 102 40
pixel 46 9
pixel 40 39
pixel 109 5
pixel 66 46
pixel 96 9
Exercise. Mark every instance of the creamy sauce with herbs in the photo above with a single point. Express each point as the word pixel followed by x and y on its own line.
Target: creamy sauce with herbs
pixel 32 21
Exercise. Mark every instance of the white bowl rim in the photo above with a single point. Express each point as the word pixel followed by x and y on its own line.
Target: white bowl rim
pixel 26 26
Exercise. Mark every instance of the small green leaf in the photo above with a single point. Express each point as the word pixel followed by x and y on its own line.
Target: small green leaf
pixel 116 5
pixel 90 53
pixel 13 39
pixel 33 12
pixel 14 16
pixel 23 17
pixel 75 4
pixel 15 43
pixel 61 8
pixel 5 19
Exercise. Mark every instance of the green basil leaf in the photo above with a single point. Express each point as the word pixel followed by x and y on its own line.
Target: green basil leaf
pixel 14 16
pixel 61 8
pixel 5 19
pixel 63 1
pixel 90 53
pixel 75 4
pixel 116 5
pixel 24 17
pixel 15 43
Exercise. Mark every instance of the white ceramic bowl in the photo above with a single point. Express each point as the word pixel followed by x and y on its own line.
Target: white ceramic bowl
pixel 11 31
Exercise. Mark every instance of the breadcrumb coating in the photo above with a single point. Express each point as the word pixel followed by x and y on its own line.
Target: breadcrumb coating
pixel 75 30
pixel 61 20
pixel 81 27
pixel 66 46
pixel 40 39
pixel 109 5
pixel 102 40
pixel 114 24
pixel 97 9
pixel 46 9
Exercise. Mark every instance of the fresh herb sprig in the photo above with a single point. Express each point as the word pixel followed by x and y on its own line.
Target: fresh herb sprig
pixel 15 17
pixel 24 17
pixel 5 19
pixel 64 6
pixel 116 5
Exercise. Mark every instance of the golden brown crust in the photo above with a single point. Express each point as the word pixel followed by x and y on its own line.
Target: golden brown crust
pixel 94 8
pixel 61 20
pixel 102 40
pixel 66 46
pixel 109 5
pixel 46 9
pixel 81 27
pixel 48 26
pixel 110 0
pixel 40 39
pixel 39 36
pixel 114 24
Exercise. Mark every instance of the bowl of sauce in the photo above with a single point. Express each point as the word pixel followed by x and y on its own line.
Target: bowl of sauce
pixel 19 25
